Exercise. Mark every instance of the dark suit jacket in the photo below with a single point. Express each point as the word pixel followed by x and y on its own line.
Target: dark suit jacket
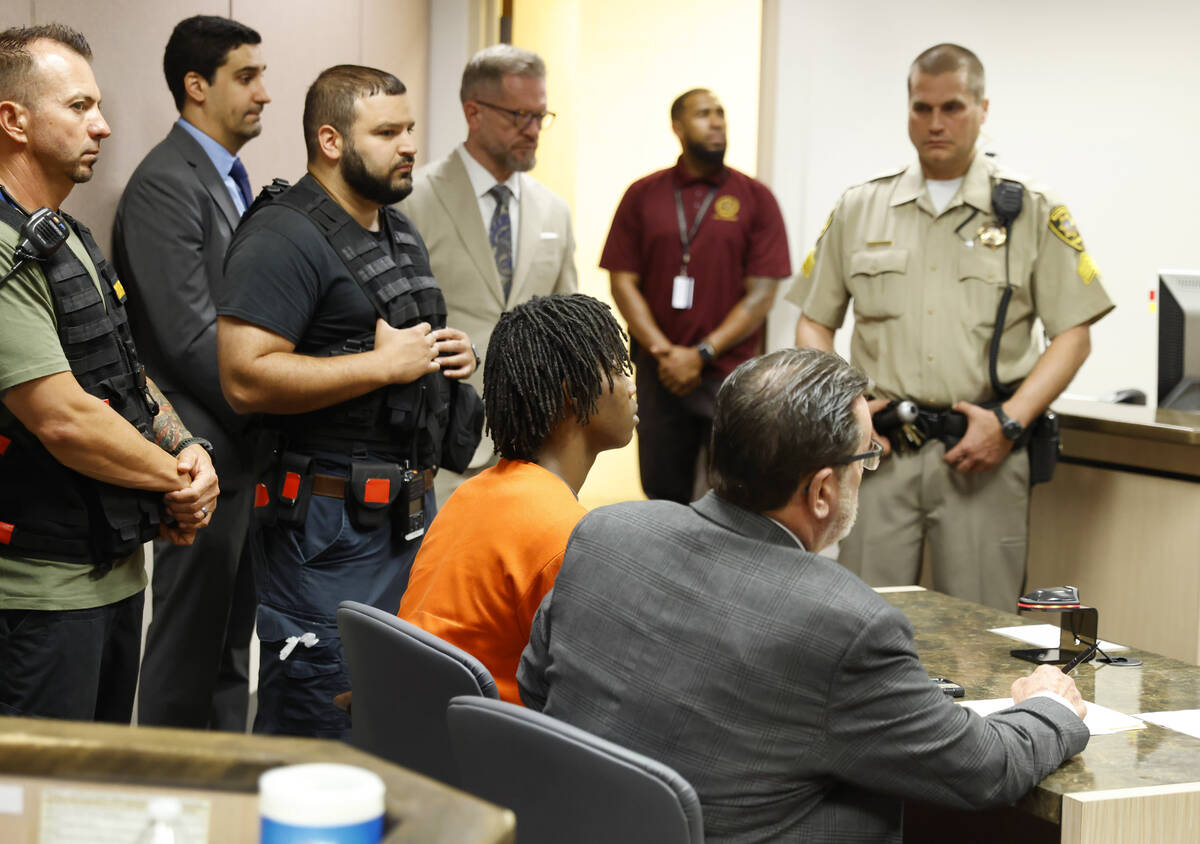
pixel 779 684
pixel 173 225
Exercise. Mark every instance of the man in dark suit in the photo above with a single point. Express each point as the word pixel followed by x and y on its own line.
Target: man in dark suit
pixel 173 225
pixel 789 693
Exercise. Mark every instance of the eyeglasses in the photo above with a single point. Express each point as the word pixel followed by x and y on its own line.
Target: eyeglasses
pixel 521 119
pixel 870 461
pixel 870 458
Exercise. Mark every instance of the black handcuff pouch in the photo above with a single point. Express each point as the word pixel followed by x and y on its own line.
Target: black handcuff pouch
pixel 371 490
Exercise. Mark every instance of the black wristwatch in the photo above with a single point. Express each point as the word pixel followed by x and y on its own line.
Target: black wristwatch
pixel 707 353
pixel 200 441
pixel 1012 429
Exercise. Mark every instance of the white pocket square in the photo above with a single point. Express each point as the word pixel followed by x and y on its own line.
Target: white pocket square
pixel 549 235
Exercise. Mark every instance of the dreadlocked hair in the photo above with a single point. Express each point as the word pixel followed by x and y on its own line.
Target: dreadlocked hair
pixel 548 354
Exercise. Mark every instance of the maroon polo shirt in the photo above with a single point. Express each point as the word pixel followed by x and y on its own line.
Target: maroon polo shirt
pixel 741 235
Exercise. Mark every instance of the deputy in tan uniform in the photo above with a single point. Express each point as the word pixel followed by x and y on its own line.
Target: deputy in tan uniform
pixel 922 254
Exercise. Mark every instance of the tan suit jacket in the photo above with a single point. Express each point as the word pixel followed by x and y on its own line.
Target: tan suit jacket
pixel 445 210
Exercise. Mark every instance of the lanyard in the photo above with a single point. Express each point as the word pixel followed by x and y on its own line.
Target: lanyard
pixel 686 235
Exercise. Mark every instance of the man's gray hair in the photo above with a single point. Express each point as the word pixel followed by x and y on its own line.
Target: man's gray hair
pixel 778 419
pixel 487 69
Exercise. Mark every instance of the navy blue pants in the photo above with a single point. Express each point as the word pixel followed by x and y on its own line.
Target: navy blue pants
pixel 301 574
pixel 76 664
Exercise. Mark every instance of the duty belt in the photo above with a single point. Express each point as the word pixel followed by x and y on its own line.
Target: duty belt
pixel 334 486
pixel 934 423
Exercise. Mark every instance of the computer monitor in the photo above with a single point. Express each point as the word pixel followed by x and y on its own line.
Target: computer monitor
pixel 1179 340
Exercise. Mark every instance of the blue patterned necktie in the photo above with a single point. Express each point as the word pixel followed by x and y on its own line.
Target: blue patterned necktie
pixel 500 237
pixel 242 178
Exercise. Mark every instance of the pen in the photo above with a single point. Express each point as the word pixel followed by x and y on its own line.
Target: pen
pixel 1082 656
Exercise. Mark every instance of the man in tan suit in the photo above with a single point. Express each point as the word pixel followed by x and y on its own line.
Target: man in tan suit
pixel 496 236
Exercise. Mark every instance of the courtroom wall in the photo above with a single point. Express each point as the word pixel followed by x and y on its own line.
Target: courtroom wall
pixel 300 38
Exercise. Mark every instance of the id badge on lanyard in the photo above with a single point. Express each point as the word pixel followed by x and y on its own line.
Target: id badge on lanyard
pixel 683 288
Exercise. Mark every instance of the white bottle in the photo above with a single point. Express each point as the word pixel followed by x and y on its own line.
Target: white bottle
pixel 164 814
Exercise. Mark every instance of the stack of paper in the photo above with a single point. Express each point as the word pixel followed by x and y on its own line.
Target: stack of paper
pixel 1044 636
pixel 1100 720
pixel 1182 720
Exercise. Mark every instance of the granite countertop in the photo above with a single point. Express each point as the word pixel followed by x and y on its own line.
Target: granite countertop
pixel 952 640
pixel 1129 420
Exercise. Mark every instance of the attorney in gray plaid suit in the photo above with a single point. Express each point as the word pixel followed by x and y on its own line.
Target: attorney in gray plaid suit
pixel 713 638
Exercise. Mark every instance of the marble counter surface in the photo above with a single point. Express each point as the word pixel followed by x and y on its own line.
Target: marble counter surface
pixel 1128 420
pixel 953 641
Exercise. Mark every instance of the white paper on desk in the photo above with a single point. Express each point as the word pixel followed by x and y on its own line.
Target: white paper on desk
pixel 1181 720
pixel 1100 720
pixel 1045 636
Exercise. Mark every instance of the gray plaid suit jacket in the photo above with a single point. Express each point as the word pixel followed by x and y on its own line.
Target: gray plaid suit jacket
pixel 779 684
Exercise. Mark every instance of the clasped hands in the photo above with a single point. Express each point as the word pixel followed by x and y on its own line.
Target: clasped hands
pixel 192 506
pixel 679 367
pixel 418 350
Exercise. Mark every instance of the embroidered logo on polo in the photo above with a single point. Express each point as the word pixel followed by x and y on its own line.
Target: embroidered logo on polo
pixel 1064 228
pixel 726 208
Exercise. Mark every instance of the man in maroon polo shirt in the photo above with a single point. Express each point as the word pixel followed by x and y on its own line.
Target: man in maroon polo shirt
pixel 694 255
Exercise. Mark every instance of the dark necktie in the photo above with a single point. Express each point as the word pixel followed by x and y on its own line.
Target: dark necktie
pixel 500 236
pixel 242 178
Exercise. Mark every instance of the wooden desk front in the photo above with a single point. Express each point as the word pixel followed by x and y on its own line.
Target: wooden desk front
pixel 1141 786
pixel 223 768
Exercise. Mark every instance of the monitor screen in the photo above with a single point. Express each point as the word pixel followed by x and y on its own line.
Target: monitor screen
pixel 1179 340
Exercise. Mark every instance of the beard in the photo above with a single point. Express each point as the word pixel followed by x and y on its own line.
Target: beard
pixel 846 516
pixel 715 157
pixel 370 186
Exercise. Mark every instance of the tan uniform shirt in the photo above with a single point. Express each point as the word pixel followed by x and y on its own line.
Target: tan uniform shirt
pixel 926 285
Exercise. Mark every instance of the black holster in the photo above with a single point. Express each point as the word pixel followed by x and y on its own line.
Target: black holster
pixel 1044 447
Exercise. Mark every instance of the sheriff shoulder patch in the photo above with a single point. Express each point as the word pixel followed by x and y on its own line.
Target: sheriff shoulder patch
pixel 726 208
pixel 1064 228
pixel 809 261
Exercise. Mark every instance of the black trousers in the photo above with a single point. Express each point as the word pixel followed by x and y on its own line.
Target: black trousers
pixel 671 432
pixel 76 664
pixel 195 672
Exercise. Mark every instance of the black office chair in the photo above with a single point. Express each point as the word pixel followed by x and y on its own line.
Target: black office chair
pixel 566 784
pixel 402 679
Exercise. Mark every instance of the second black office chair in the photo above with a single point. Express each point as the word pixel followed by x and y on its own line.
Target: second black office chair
pixel 565 784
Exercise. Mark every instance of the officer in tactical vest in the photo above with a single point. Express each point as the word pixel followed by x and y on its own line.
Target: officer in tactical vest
pixel 332 327
pixel 93 460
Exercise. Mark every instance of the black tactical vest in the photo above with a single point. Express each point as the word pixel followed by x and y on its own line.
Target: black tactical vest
pixel 403 421
pixel 46 509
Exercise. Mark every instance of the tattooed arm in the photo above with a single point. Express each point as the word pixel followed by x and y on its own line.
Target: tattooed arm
pixel 87 435
pixel 191 507
pixel 169 430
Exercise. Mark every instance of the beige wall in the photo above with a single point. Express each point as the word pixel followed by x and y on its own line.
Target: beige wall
pixel 613 69
pixel 300 38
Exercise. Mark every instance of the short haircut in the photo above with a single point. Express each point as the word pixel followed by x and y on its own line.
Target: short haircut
pixel 779 418
pixel 330 99
pixel 17 81
pixel 680 102
pixel 545 355
pixel 488 67
pixel 200 45
pixel 947 58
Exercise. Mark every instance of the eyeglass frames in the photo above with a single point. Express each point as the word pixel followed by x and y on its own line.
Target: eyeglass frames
pixel 521 118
